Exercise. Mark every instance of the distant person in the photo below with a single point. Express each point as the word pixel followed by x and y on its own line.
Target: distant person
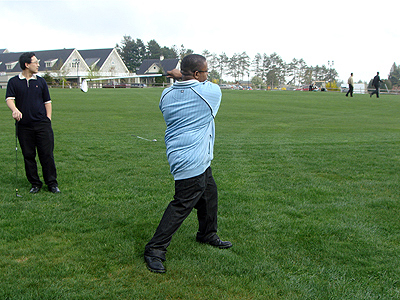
pixel 28 98
pixel 350 82
pixel 189 108
pixel 376 82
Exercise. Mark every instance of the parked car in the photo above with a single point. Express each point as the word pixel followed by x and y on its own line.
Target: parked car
pixel 138 85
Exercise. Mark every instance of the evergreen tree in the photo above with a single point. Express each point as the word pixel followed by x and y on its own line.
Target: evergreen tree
pixel 132 52
pixel 153 50
pixel 394 75
pixel 169 53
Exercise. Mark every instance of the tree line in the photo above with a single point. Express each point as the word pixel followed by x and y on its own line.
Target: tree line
pixel 134 52
pixel 266 69
pixel 269 70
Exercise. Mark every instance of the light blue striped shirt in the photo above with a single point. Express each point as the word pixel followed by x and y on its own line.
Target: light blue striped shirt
pixel 189 108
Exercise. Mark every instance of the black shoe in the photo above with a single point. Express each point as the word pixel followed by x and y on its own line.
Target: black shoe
pixel 221 244
pixel 218 243
pixel 54 189
pixel 154 264
pixel 34 190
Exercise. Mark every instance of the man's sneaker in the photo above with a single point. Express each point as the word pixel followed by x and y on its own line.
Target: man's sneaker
pixel 54 189
pixel 34 190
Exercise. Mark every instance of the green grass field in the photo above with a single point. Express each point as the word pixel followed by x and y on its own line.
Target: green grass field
pixel 308 194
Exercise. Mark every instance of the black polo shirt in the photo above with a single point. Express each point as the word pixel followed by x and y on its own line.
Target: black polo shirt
pixel 30 97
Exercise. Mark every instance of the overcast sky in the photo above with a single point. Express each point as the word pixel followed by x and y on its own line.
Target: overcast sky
pixel 362 37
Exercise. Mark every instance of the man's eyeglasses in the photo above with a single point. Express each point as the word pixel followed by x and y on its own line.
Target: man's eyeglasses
pixel 202 71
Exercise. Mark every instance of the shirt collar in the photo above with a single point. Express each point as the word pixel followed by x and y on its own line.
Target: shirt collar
pixel 21 76
pixel 186 82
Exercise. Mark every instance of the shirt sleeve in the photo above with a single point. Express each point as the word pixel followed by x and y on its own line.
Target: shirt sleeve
pixel 10 92
pixel 45 92
pixel 212 93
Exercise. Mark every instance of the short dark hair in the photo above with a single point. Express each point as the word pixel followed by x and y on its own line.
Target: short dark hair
pixel 25 58
pixel 192 63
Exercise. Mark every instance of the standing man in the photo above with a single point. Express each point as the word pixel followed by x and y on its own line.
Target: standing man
pixel 189 108
pixel 376 82
pixel 350 82
pixel 28 98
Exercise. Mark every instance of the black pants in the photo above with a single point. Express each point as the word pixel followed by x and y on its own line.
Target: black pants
pixel 376 92
pixel 38 136
pixel 199 192
pixel 350 91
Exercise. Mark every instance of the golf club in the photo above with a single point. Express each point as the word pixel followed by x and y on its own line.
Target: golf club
pixel 16 160
pixel 84 84
pixel 387 88
pixel 153 140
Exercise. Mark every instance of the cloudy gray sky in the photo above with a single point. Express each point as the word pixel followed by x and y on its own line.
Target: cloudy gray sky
pixel 362 37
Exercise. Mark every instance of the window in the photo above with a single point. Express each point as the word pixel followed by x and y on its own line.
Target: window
pixel 75 63
pixel 11 65
pixel 50 63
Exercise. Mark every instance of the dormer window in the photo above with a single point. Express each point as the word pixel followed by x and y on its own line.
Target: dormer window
pixel 11 65
pixel 50 63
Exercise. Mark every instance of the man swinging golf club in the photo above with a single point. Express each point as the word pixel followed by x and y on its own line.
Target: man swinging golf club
pixel 28 98
pixel 189 108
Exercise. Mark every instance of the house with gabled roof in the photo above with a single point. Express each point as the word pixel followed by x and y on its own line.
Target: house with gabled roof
pixel 106 62
pixel 72 64
pixel 158 66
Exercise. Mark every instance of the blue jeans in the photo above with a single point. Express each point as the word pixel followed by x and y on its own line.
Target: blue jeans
pixel 199 192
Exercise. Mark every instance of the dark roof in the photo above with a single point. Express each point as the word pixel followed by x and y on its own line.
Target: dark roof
pixel 6 58
pixel 165 64
pixel 46 55
pixel 97 56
